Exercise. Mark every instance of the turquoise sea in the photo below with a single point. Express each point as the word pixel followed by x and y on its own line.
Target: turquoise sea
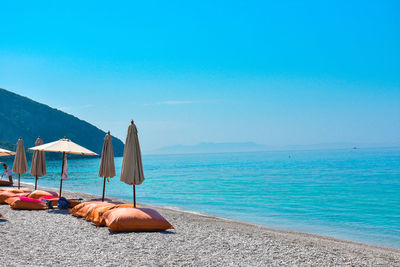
pixel 350 194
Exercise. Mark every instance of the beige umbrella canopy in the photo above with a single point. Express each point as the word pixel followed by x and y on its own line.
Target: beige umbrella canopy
pixel 64 146
pixel 4 152
pixel 20 165
pixel 132 167
pixel 107 166
pixel 38 166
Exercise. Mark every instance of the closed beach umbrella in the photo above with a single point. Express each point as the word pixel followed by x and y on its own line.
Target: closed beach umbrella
pixel 132 167
pixel 64 146
pixel 107 166
pixel 20 165
pixel 38 166
pixel 5 152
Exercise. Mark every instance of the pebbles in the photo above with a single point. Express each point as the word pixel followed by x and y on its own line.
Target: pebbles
pixel 54 237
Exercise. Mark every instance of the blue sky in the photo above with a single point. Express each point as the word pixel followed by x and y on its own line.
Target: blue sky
pixel 272 72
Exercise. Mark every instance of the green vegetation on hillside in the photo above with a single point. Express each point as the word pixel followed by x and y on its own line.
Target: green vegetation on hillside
pixel 23 117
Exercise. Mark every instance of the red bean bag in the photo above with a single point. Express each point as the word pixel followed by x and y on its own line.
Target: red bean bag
pixel 29 199
pixel 135 220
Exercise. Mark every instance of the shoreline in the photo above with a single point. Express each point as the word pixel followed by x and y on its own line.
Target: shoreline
pixel 211 216
pixel 199 239
pixel 197 213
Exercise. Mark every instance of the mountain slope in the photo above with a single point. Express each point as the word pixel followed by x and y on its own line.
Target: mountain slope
pixel 23 117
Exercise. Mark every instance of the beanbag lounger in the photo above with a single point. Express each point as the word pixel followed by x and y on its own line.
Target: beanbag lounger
pixel 75 211
pixel 85 210
pixel 11 199
pixel 6 194
pixel 39 193
pixel 73 202
pixel 135 220
pixel 5 183
pixel 27 203
pixel 96 214
pixel 82 209
pixel 25 190
pixel 77 207
pixel 16 190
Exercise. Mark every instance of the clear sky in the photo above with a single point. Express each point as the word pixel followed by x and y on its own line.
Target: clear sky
pixel 272 72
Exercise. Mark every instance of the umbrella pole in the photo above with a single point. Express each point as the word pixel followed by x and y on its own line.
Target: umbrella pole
pixel 62 170
pixel 19 177
pixel 134 196
pixel 36 183
pixel 104 188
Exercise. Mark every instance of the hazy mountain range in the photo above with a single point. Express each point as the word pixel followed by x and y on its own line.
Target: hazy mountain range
pixel 23 117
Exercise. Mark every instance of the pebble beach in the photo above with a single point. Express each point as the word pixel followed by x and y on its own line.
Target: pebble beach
pixel 54 237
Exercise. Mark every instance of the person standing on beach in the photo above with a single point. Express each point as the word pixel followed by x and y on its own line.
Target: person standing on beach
pixel 7 172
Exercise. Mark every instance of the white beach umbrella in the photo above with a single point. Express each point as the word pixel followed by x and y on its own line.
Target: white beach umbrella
pixel 64 146
pixel 132 167
pixel 20 165
pixel 107 166
pixel 38 166
pixel 5 152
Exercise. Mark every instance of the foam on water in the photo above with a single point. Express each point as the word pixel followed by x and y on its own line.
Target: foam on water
pixel 348 194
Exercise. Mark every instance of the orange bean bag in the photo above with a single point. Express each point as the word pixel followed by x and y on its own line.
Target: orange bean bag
pixel 10 200
pixel 5 183
pixel 135 220
pixel 73 202
pixel 16 190
pixel 75 209
pixel 20 204
pixel 96 214
pixel 83 209
pixel 6 194
pixel 39 193
pixel 25 190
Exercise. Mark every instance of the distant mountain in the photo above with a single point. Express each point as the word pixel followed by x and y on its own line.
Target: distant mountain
pixel 23 117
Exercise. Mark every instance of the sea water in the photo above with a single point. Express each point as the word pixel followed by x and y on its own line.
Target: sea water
pixel 350 194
